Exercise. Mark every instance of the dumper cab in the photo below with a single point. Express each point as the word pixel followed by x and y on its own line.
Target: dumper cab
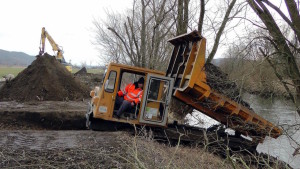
pixel 151 110
pixel 186 80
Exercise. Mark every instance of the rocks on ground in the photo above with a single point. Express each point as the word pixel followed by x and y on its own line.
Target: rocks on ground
pixel 7 77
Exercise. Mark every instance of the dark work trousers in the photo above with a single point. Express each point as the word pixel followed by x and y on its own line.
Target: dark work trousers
pixel 122 105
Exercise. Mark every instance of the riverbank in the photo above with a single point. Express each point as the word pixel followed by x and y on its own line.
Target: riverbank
pixel 280 112
pixel 256 77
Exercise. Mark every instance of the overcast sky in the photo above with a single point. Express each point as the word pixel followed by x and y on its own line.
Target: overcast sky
pixel 69 22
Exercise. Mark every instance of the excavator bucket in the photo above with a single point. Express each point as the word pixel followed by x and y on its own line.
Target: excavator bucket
pixel 187 67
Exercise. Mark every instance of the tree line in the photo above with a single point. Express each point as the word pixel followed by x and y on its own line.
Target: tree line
pixel 256 29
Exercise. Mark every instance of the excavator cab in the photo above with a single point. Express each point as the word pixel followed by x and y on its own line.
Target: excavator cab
pixel 152 110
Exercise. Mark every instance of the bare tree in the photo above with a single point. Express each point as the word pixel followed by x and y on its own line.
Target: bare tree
pixel 220 31
pixel 139 37
pixel 213 20
pixel 201 17
pixel 182 16
pixel 251 69
pixel 281 43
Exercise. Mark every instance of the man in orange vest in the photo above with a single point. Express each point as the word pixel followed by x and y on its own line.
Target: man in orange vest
pixel 129 97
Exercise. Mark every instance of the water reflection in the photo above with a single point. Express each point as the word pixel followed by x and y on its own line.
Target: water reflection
pixel 280 112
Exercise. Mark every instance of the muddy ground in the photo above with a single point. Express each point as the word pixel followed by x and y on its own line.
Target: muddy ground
pixel 1 83
pixel 63 149
pixel 52 134
pixel 90 149
pixel 53 115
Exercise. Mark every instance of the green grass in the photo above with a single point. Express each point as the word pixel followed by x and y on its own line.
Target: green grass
pixel 10 70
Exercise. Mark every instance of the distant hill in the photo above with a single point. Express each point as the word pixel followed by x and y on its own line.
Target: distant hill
pixel 8 58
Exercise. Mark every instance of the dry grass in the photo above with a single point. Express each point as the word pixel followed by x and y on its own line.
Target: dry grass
pixel 255 77
pixel 118 150
pixel 125 151
pixel 143 153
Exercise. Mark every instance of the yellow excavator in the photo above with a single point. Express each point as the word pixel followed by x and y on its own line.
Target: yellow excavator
pixel 59 52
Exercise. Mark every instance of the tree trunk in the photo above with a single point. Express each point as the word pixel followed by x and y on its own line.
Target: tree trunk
pixel 220 32
pixel 281 45
pixel 143 35
pixel 201 18
pixel 182 16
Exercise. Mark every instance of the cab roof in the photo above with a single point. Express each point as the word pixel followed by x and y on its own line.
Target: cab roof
pixel 137 69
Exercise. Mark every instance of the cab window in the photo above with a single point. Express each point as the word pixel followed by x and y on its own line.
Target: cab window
pixel 110 83
pixel 156 100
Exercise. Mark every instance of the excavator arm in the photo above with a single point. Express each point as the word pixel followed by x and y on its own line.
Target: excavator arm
pixel 54 45
pixel 59 52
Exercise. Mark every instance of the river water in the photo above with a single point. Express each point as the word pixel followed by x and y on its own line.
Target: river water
pixel 278 111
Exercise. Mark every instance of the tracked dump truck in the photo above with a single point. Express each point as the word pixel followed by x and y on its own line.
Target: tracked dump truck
pixel 185 80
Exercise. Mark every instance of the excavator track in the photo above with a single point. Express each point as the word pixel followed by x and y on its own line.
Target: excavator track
pixel 212 138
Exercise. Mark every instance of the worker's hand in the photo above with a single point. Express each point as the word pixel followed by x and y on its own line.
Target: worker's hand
pixel 132 103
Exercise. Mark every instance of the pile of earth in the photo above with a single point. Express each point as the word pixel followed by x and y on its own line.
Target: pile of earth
pixel 89 79
pixel 220 82
pixel 44 79
pixel 82 71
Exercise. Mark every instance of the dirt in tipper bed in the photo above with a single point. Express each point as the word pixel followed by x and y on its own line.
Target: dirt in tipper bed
pixel 44 79
pixel 220 82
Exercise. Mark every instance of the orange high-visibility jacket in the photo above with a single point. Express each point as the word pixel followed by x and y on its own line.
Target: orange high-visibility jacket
pixel 131 93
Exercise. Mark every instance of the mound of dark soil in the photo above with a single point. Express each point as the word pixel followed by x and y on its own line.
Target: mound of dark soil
pixel 81 71
pixel 219 81
pixel 44 79
pixel 89 79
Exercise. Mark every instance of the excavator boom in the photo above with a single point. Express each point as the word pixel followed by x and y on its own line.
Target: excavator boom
pixel 54 45
pixel 59 55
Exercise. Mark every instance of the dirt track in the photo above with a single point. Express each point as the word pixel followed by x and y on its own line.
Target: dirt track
pixel 63 149
pixel 60 139
pixel 43 115
pixel 50 134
